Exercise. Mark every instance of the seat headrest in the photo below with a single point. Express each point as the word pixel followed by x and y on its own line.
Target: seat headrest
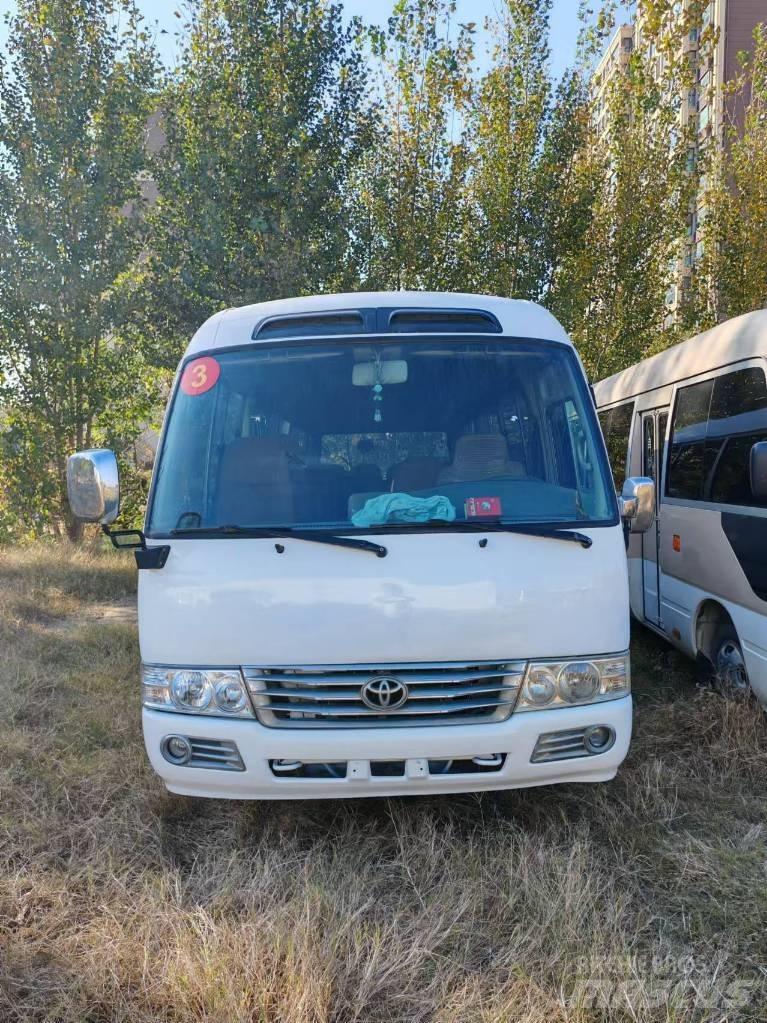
pixel 242 456
pixel 481 450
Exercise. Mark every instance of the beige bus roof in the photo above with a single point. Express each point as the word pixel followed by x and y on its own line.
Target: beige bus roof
pixel 741 338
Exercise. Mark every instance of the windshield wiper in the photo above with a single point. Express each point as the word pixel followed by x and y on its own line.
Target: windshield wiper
pixel 498 526
pixel 277 532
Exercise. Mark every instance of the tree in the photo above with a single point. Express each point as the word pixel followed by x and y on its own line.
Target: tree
pixel 510 182
pixel 732 275
pixel 409 205
pixel 638 173
pixel 76 88
pixel 264 119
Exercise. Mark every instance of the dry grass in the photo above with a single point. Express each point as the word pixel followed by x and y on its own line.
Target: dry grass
pixel 643 899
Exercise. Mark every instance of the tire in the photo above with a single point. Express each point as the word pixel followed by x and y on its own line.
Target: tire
pixel 730 676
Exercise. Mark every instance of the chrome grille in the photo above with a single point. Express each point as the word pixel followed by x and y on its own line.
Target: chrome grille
pixel 330 696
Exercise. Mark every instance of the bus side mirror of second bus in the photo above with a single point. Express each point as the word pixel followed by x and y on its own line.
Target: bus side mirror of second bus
pixel 637 503
pixel 758 470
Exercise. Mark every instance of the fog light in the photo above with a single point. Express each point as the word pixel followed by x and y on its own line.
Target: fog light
pixel 599 738
pixel 176 749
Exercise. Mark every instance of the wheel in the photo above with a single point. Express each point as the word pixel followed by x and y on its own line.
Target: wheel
pixel 730 674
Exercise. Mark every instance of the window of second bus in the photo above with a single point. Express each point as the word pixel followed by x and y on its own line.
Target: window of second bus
pixel 616 427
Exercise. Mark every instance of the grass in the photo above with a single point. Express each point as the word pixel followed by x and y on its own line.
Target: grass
pixel 643 899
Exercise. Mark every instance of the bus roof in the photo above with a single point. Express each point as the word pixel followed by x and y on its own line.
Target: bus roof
pixel 741 338
pixel 244 325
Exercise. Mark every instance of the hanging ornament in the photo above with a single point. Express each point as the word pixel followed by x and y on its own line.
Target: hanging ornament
pixel 378 389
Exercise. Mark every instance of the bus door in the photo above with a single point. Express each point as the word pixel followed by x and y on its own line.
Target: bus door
pixel 653 436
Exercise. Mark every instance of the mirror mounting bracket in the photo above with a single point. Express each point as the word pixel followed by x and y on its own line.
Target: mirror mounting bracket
pixel 134 540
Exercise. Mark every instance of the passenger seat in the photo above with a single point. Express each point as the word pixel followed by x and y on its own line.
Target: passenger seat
pixel 480 456
pixel 254 483
pixel 415 474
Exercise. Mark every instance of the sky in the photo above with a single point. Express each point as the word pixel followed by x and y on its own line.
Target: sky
pixel 564 23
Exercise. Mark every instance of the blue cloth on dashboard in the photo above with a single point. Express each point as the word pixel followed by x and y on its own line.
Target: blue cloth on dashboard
pixel 403 508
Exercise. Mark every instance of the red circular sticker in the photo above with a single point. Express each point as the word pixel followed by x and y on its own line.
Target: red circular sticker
pixel 200 375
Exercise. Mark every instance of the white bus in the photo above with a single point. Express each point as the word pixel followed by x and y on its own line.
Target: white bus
pixel 382 554
pixel 694 418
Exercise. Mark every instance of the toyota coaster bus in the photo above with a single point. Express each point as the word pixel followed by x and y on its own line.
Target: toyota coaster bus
pixel 382 554
pixel 694 418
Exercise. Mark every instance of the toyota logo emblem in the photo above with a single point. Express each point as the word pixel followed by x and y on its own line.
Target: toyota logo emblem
pixel 384 694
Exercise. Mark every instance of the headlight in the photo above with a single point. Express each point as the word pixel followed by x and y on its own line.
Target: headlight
pixel 209 691
pixel 550 684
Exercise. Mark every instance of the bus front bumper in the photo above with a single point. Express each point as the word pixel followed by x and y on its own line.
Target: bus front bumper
pixel 387 761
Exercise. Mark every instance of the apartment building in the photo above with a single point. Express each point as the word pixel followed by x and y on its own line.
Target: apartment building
pixel 614 62
pixel 711 44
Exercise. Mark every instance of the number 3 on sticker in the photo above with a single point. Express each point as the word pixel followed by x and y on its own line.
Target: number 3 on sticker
pixel 200 375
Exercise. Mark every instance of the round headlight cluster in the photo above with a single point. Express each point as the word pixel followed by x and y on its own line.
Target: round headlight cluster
pixel 191 690
pixel 208 690
pixel 576 682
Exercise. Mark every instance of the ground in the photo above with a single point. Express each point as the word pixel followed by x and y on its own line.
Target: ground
pixel 643 899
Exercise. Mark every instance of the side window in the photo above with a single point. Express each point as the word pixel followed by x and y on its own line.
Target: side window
pixel 616 427
pixel 737 421
pixel 688 441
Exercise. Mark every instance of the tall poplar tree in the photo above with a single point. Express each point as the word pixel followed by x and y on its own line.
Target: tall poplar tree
pixel 410 204
pixel 76 83
pixel 732 275
pixel 264 120
pixel 638 172
pixel 510 186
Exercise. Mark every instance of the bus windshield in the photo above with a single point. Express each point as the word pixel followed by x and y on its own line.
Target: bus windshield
pixel 360 434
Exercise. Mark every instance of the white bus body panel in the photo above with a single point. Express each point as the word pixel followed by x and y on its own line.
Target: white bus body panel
pixel 435 597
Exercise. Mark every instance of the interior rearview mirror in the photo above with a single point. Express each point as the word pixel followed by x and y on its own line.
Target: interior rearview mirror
pixel 368 374
pixel 93 486
pixel 637 503
pixel 758 470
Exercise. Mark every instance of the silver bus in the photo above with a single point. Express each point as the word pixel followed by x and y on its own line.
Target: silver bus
pixel 694 419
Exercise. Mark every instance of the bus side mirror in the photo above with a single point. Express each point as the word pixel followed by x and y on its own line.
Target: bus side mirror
pixel 93 486
pixel 637 503
pixel 758 470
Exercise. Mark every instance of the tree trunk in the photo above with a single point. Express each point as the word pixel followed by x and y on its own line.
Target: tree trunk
pixel 75 529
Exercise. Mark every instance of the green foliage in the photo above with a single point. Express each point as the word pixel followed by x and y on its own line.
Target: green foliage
pixel 263 123
pixel 75 91
pixel 409 206
pixel 612 287
pixel 732 276
pixel 514 163
pixel 300 153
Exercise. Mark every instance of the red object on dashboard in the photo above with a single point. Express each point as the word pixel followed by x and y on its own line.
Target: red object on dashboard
pixel 480 507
